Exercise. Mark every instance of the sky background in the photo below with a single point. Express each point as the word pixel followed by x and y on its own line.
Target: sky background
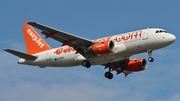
pixel 89 19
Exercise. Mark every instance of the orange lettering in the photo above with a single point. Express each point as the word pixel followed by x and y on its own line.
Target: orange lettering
pixel 69 49
pixel 140 33
pixel 126 37
pixel 132 35
pixel 118 38
pixel 65 51
pixel 58 51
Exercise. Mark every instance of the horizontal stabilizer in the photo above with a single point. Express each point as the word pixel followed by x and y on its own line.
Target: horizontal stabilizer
pixel 21 55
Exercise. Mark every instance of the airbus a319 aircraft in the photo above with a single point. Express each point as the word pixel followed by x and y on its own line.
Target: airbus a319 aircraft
pixel 112 52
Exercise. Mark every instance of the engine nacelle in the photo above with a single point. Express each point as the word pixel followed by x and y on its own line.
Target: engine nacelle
pixel 103 47
pixel 136 65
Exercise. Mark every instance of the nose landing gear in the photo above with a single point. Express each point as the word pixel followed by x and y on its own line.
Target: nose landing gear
pixel 151 59
pixel 150 55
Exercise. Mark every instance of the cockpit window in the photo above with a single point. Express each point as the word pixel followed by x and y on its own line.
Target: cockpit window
pixel 161 31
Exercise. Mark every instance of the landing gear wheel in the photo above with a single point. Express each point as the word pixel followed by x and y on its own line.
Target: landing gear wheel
pixel 86 64
pixel 150 55
pixel 151 59
pixel 108 75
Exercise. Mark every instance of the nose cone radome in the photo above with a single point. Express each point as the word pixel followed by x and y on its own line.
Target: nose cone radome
pixel 168 39
pixel 171 38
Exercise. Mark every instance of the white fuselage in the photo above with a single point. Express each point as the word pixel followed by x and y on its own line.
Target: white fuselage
pixel 126 45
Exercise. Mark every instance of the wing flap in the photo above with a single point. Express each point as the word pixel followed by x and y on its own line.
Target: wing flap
pixel 74 45
pixel 21 55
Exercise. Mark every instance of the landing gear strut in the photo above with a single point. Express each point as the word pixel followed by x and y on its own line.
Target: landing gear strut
pixel 86 64
pixel 108 74
pixel 150 55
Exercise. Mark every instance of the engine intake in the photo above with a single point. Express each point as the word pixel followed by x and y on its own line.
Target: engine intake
pixel 104 47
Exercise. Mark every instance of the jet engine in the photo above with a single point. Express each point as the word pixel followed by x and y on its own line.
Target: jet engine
pixel 104 47
pixel 136 65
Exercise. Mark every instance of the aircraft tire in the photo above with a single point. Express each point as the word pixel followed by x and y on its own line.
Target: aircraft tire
pixel 108 75
pixel 86 64
pixel 151 59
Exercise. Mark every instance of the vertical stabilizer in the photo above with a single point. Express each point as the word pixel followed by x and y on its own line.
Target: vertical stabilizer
pixel 34 42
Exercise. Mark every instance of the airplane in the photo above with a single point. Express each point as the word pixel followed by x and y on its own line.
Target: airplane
pixel 112 52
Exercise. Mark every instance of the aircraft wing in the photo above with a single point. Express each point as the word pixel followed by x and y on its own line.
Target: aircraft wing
pixel 78 43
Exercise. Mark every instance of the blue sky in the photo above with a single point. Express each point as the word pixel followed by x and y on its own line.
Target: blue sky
pixel 89 19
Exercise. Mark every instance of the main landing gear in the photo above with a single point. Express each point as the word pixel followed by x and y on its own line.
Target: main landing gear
pixel 108 75
pixel 86 64
pixel 150 55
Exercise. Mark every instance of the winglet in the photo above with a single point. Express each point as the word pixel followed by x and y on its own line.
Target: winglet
pixel 25 22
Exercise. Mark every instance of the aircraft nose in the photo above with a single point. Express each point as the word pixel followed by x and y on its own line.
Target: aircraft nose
pixel 171 38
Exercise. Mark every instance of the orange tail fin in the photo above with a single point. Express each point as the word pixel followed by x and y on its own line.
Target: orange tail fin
pixel 34 42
